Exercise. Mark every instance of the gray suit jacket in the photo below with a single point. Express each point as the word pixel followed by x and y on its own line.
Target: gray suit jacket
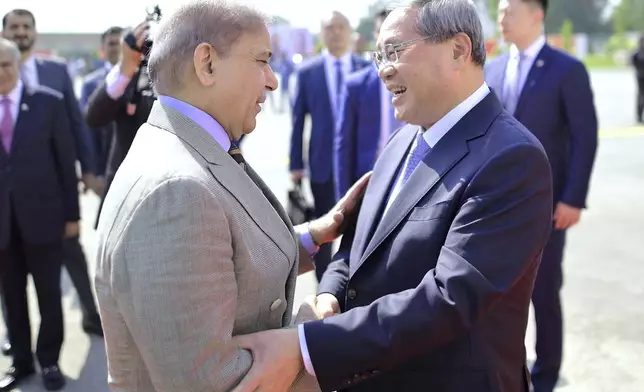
pixel 190 249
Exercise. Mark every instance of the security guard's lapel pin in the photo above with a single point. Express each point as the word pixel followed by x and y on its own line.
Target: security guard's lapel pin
pixel 24 107
pixel 540 63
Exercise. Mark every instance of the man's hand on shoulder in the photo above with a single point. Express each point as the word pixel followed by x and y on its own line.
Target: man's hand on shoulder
pixel 329 227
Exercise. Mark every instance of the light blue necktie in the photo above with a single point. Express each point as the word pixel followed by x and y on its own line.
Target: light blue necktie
pixel 513 92
pixel 416 155
pixel 339 83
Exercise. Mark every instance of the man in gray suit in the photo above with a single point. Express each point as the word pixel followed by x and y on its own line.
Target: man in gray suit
pixel 192 245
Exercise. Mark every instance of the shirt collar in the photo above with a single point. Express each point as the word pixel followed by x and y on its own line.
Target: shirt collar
pixel 203 119
pixel 447 122
pixel 531 51
pixel 30 63
pixel 345 59
pixel 15 96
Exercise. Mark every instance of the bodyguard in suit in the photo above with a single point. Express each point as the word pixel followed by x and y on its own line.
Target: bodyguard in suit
pixel 102 137
pixel 432 285
pixel 193 248
pixel 20 27
pixel 320 92
pixel 549 92
pixel 38 208
pixel 367 123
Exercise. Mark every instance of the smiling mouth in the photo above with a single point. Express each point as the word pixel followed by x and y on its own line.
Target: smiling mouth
pixel 398 91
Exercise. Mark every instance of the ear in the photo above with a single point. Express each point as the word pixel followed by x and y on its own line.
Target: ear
pixel 461 49
pixel 204 59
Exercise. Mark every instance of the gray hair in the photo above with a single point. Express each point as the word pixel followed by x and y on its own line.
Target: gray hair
pixel 217 22
pixel 8 46
pixel 443 19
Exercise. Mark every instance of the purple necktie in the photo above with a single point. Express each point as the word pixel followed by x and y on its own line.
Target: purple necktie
pixel 416 155
pixel 6 125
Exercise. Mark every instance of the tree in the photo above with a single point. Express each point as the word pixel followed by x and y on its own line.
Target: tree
pixel 586 15
pixel 628 16
pixel 567 35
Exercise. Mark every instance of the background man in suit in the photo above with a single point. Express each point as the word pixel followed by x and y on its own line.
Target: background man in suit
pixel 367 123
pixel 196 247
pixel 20 27
pixel 549 92
pixel 38 207
pixel 434 280
pixel 111 103
pixel 102 137
pixel 320 92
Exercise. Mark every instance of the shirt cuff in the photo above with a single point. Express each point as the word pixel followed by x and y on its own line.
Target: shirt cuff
pixel 116 84
pixel 305 350
pixel 306 240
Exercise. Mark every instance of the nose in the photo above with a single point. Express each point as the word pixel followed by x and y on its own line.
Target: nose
pixel 386 71
pixel 271 80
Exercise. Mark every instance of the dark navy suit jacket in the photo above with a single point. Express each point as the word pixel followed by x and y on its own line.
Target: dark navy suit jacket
pixel 54 74
pixel 556 105
pixel 357 138
pixel 101 138
pixel 38 177
pixel 435 294
pixel 312 98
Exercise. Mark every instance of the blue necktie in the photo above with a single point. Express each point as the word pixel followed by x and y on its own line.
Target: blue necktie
pixel 416 155
pixel 339 83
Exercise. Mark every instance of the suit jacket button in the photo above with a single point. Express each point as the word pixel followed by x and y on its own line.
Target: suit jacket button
pixel 276 304
pixel 351 293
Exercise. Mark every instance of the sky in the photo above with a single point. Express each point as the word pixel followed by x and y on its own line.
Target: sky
pixel 77 16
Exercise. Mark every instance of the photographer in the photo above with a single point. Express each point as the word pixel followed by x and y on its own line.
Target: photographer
pixel 125 98
pixel 638 63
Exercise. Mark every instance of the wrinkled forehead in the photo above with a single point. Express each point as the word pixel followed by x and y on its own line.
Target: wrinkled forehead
pixel 397 27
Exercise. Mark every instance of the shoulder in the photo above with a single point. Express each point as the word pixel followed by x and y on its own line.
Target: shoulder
pixel 360 62
pixel 46 93
pixel 361 76
pixel 52 62
pixel 94 77
pixel 313 63
pixel 506 133
pixel 565 61
pixel 496 62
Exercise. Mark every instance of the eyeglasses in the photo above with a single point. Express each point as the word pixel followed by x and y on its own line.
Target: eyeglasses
pixel 389 55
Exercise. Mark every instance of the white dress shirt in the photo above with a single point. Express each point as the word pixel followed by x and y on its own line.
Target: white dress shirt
pixel 331 82
pixel 15 96
pixel 431 136
pixel 29 72
pixel 530 54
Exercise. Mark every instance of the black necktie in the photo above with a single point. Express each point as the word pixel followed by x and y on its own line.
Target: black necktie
pixel 237 155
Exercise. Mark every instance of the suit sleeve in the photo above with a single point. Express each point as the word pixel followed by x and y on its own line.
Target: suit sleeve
pixel 63 146
pixel 101 109
pixel 498 233
pixel 86 91
pixel 300 110
pixel 579 109
pixel 81 137
pixel 179 291
pixel 344 156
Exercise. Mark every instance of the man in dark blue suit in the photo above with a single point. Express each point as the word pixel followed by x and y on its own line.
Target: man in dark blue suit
pixel 38 208
pixel 102 137
pixel 367 123
pixel 549 92
pixel 431 288
pixel 20 27
pixel 320 92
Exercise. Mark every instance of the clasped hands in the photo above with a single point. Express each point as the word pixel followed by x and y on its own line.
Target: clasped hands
pixel 277 357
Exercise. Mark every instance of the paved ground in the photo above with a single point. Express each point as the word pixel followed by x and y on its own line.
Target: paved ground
pixel 603 293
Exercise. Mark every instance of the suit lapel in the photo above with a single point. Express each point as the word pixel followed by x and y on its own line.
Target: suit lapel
pixel 380 185
pixel 537 70
pixel 452 148
pixel 229 174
